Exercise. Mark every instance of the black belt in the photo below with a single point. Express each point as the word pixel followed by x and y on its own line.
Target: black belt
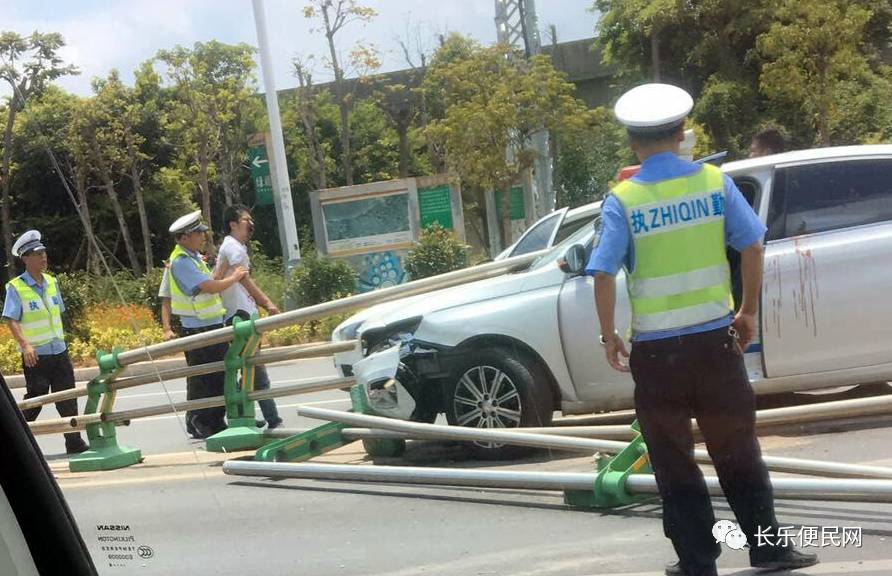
pixel 718 335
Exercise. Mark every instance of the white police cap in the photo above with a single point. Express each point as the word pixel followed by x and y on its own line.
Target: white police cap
pixel 191 222
pixel 27 242
pixel 653 107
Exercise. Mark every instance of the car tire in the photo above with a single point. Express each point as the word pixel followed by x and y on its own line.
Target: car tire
pixel 514 394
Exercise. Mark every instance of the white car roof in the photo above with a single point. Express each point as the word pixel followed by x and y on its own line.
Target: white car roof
pixel 808 155
pixel 585 211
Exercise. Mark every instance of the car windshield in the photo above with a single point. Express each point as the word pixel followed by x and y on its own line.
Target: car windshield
pixel 584 236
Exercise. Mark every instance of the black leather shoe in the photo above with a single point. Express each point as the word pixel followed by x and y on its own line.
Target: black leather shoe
pixel 274 424
pixel 260 423
pixel 76 447
pixel 789 559
pixel 675 569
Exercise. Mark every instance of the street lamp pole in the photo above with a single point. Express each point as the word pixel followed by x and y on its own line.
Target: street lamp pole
pixel 279 166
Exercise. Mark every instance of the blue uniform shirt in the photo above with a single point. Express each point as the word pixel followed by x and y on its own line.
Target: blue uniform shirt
pixel 187 275
pixel 12 309
pixel 615 248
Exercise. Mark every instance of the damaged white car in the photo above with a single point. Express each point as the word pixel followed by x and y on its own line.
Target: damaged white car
pixel 508 351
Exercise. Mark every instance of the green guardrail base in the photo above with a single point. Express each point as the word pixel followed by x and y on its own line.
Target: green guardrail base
pixel 593 499
pixel 609 488
pixel 304 446
pixel 107 458
pixel 242 434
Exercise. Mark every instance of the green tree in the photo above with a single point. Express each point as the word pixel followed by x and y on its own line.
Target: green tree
pixel 45 125
pixel 305 105
pixel 122 114
pixel 27 65
pixel 96 137
pixel 590 160
pixel 212 111
pixel 494 104
pixel 813 50
pixel 335 15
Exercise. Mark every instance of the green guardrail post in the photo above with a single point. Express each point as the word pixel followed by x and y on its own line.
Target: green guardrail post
pixel 241 432
pixel 306 445
pixel 609 490
pixel 104 452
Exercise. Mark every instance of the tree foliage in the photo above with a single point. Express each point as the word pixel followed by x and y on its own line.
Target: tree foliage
pixel 494 103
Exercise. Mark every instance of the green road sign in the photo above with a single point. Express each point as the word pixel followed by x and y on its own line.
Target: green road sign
pixel 260 175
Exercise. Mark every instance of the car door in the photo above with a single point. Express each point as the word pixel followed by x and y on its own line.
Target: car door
pixel 825 294
pixel 592 377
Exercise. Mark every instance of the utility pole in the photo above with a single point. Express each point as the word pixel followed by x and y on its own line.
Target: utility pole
pixel 279 166
pixel 518 26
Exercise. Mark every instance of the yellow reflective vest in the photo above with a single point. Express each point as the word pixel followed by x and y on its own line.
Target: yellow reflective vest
pixel 41 321
pixel 202 306
pixel 680 275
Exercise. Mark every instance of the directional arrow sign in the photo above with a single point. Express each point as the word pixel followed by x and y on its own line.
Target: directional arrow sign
pixel 263 184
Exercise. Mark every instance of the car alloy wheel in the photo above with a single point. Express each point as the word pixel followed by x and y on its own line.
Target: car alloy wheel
pixel 486 397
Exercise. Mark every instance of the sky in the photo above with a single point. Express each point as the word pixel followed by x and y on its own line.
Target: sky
pixel 103 35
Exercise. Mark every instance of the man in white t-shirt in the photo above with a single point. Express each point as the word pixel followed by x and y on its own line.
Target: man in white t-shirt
pixel 242 298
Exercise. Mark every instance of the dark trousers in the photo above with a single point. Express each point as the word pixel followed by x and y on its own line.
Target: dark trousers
pixel 261 382
pixel 55 373
pixel 206 420
pixel 701 375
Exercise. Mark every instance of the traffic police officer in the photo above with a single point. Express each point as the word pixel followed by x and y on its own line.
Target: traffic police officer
pixel 668 227
pixel 33 310
pixel 195 298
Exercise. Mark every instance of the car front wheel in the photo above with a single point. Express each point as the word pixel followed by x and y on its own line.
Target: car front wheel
pixel 497 388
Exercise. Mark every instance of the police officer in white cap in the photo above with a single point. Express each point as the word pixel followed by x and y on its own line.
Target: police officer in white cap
pixel 668 227
pixel 33 310
pixel 195 298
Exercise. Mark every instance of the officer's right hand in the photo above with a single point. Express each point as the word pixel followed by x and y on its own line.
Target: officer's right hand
pixel 614 348
pixel 30 356
pixel 169 334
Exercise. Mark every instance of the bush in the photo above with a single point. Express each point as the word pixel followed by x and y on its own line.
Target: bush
pixel 76 294
pixel 320 280
pixel 10 357
pixel 437 251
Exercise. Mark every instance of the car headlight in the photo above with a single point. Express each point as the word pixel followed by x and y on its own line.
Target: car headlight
pixel 375 339
pixel 346 331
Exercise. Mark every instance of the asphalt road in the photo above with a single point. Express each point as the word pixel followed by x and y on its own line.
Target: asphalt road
pixel 188 518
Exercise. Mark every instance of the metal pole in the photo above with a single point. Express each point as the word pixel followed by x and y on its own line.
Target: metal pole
pixel 281 182
pixel 590 445
pixel 264 357
pixel 838 409
pixel 303 388
pixel 784 488
pixel 79 422
pixel 455 278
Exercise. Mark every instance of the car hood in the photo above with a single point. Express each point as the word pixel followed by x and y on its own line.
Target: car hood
pixel 389 312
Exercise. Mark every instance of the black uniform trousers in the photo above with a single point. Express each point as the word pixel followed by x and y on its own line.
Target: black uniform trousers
pixel 206 421
pixel 55 373
pixel 701 375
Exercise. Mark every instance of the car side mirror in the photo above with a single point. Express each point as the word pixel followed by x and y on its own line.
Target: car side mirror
pixel 573 260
